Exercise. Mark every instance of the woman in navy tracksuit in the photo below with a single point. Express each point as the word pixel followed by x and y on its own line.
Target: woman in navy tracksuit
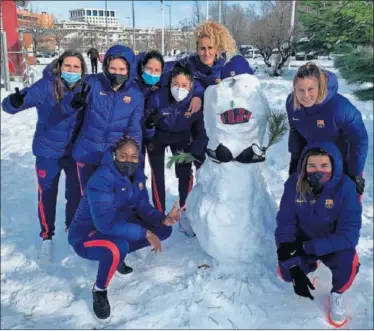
pixel 169 123
pixel 113 108
pixel 319 219
pixel 115 218
pixel 317 112
pixel 56 131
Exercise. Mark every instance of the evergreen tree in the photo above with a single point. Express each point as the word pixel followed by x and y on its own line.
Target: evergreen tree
pixel 344 27
pixel 356 66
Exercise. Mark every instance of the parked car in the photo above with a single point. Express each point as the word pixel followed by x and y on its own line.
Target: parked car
pixel 253 54
pixel 43 59
pixel 304 56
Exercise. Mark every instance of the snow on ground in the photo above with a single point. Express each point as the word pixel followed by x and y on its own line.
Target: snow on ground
pixel 167 290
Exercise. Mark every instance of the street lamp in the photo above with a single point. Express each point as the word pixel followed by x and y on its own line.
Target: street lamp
pixel 106 24
pixel 129 20
pixel 169 16
pixel 169 43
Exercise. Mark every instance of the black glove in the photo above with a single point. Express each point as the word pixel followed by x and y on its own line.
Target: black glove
pixel 301 283
pixel 290 250
pixel 360 184
pixel 79 99
pixel 293 166
pixel 16 99
pixel 153 119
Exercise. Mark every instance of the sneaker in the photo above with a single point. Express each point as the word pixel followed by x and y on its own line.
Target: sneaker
pixel 337 311
pixel 46 251
pixel 101 306
pixel 185 227
pixel 123 269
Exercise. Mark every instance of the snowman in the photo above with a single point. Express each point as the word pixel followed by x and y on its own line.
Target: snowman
pixel 230 209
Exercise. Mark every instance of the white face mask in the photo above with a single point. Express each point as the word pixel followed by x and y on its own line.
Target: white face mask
pixel 179 93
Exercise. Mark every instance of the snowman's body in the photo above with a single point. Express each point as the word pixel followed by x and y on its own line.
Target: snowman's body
pixel 230 209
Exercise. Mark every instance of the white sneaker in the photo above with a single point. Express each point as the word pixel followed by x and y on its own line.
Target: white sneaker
pixel 46 251
pixel 338 312
pixel 185 227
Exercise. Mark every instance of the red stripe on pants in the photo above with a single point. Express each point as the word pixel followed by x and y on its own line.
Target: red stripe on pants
pixel 352 276
pixel 113 248
pixel 79 177
pixel 41 207
pixel 155 191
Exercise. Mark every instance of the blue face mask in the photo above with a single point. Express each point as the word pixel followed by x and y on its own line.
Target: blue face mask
pixel 150 79
pixel 71 77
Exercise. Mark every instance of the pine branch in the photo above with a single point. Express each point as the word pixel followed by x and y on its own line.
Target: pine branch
pixel 278 126
pixel 179 158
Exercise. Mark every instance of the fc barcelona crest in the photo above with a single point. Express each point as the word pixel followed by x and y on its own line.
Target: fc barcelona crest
pixel 329 203
pixel 127 99
pixel 141 186
pixel 154 88
pixel 320 123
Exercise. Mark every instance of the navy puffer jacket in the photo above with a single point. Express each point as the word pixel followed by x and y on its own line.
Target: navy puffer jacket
pixel 56 128
pixel 109 114
pixel 326 224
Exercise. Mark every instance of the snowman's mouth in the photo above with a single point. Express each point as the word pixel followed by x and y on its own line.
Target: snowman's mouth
pixel 236 116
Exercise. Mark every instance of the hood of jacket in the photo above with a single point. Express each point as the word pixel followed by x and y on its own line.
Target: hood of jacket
pixel 128 55
pixel 334 153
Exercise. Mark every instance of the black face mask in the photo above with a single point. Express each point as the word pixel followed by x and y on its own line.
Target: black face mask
pixel 116 79
pixel 249 155
pixel 126 168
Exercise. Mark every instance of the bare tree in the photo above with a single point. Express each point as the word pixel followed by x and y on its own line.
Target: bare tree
pixel 59 34
pixel 185 43
pixel 271 34
pixel 37 38
pixel 157 39
pixel 75 42
pixel 197 16
pixel 238 24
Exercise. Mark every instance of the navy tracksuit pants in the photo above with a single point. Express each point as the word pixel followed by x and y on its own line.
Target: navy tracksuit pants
pixel 48 173
pixel 344 266
pixel 156 156
pixel 111 250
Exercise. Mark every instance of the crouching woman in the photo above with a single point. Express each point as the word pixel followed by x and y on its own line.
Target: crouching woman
pixel 115 218
pixel 319 219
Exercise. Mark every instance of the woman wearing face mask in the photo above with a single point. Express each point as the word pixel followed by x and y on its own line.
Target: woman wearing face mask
pixel 113 109
pixel 115 218
pixel 56 131
pixel 319 219
pixel 169 123
pixel 316 112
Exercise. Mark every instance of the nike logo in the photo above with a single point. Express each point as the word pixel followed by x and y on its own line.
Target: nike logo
pixel 293 253
pixel 103 93
pixel 295 119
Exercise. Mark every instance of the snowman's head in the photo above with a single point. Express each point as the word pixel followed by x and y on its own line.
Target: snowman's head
pixel 238 108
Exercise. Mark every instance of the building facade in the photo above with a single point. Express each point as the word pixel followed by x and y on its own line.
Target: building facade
pixel 94 16
pixel 83 35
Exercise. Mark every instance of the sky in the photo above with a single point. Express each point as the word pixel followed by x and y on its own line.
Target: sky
pixel 147 13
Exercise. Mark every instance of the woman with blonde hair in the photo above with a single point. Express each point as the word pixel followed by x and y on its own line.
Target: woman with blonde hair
pixel 214 45
pixel 317 112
